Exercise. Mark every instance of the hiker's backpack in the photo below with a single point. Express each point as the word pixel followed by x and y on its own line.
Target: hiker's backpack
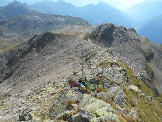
pixel 85 83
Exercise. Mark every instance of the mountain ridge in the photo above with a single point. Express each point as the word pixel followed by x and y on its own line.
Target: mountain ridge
pixel 19 29
pixel 37 73
pixel 39 53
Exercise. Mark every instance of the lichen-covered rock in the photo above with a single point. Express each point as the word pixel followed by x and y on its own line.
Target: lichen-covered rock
pixel 74 95
pixel 98 107
pixel 56 109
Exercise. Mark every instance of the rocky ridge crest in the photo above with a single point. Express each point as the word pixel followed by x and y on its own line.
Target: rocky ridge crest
pixel 37 88
pixel 137 52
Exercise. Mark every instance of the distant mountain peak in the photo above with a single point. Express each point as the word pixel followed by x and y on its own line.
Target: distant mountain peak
pixel 103 4
pixel 63 2
pixel 14 9
pixel 15 3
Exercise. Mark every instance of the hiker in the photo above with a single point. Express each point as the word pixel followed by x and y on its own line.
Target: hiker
pixel 81 84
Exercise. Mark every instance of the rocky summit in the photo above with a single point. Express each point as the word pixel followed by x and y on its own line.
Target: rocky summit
pixel 122 68
pixel 142 56
pixel 13 9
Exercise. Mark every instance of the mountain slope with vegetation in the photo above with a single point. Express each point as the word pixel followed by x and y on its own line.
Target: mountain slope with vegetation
pixel 19 29
pixel 38 23
pixel 120 66
pixel 19 23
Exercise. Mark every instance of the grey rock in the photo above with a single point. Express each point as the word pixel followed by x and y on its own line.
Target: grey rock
pixel 106 84
pixel 116 94
pixel 99 107
pixel 57 109
pixel 25 117
pixel 100 94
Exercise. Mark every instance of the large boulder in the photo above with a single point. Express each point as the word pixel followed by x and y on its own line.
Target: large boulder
pixel 98 107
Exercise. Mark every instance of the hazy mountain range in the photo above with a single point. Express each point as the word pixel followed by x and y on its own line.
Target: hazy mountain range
pixel 153 29
pixel 94 14
pixel 147 18
pixel 143 12
pixel 139 16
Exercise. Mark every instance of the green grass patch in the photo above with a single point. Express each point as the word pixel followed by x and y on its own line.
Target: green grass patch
pixel 135 81
pixel 86 36
pixel 147 111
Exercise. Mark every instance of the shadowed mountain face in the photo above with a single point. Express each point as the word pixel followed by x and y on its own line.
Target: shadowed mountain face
pixel 12 10
pixel 153 30
pixel 94 14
